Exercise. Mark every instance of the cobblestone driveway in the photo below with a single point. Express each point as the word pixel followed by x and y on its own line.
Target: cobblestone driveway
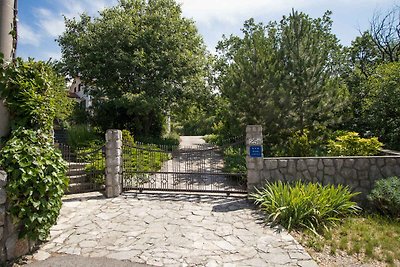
pixel 171 230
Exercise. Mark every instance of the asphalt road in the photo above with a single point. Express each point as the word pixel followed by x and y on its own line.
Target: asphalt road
pixel 79 261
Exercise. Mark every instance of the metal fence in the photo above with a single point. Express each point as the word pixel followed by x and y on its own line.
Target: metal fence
pixel 86 168
pixel 172 168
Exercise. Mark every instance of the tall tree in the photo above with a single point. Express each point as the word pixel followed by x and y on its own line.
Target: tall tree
pixel 385 32
pixel 309 56
pixel 138 58
pixel 362 58
pixel 381 105
pixel 8 46
pixel 248 77
pixel 284 76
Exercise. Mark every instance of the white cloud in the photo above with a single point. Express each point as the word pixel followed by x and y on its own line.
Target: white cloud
pixel 50 23
pixel 213 17
pixel 230 11
pixel 233 11
pixel 72 8
pixel 28 36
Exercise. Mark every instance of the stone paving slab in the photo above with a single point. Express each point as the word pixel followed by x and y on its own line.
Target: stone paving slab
pixel 171 230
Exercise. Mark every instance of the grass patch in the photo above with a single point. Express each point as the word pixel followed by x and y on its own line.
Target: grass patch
pixel 369 237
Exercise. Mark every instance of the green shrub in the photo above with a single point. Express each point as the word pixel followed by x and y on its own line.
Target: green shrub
pixel 34 94
pixel 171 139
pixel 82 136
pixel 36 181
pixel 350 144
pixel 299 145
pixel 385 196
pixel 212 138
pixel 235 160
pixel 310 206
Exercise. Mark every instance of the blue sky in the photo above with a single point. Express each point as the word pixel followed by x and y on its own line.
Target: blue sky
pixel 41 21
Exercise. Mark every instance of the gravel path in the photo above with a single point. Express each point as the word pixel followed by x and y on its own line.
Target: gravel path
pixel 171 230
pixel 191 141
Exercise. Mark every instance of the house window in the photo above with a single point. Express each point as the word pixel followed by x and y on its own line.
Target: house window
pixel 79 87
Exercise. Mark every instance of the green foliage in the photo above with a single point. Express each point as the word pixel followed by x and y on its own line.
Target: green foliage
pixel 235 160
pixel 96 167
pixel 212 138
pixel 37 180
pixel 80 136
pixel 303 143
pixel 127 138
pixel 385 196
pixel 283 76
pixel 350 144
pixel 143 157
pixel 171 139
pixel 79 115
pixel 305 206
pixel 195 121
pixel 367 237
pixel 300 145
pixel 381 105
pixel 92 154
pixel 34 94
pixel 136 66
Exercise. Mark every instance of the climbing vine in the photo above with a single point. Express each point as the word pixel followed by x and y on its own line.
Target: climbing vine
pixel 37 181
pixel 36 170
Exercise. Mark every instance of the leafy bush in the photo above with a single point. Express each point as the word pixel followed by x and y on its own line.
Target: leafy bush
pixel 235 160
pixel 380 105
pixel 385 196
pixel 37 180
pixel 171 139
pixel 82 136
pixel 311 206
pixel 195 120
pixel 211 138
pixel 34 94
pixel 350 144
pixel 299 145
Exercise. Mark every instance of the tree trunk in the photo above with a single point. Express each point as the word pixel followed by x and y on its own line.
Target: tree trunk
pixel 7 46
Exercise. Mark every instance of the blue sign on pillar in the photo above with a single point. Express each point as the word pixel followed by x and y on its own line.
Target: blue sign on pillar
pixel 255 152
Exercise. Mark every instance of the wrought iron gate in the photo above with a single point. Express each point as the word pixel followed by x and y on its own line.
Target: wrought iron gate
pixel 86 168
pixel 171 168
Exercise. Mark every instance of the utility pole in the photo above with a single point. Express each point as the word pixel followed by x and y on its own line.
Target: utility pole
pixel 7 48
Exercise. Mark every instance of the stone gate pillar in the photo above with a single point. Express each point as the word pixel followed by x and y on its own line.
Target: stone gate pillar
pixel 254 156
pixel 113 163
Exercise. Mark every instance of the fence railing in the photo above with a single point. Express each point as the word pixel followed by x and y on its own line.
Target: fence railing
pixel 86 168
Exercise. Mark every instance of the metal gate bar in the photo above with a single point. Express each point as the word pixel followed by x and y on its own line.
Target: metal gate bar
pixel 193 169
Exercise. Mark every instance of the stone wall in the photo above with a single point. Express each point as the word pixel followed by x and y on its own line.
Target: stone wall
pixel 359 173
pixel 254 165
pixel 11 246
pixel 3 198
pixel 113 163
